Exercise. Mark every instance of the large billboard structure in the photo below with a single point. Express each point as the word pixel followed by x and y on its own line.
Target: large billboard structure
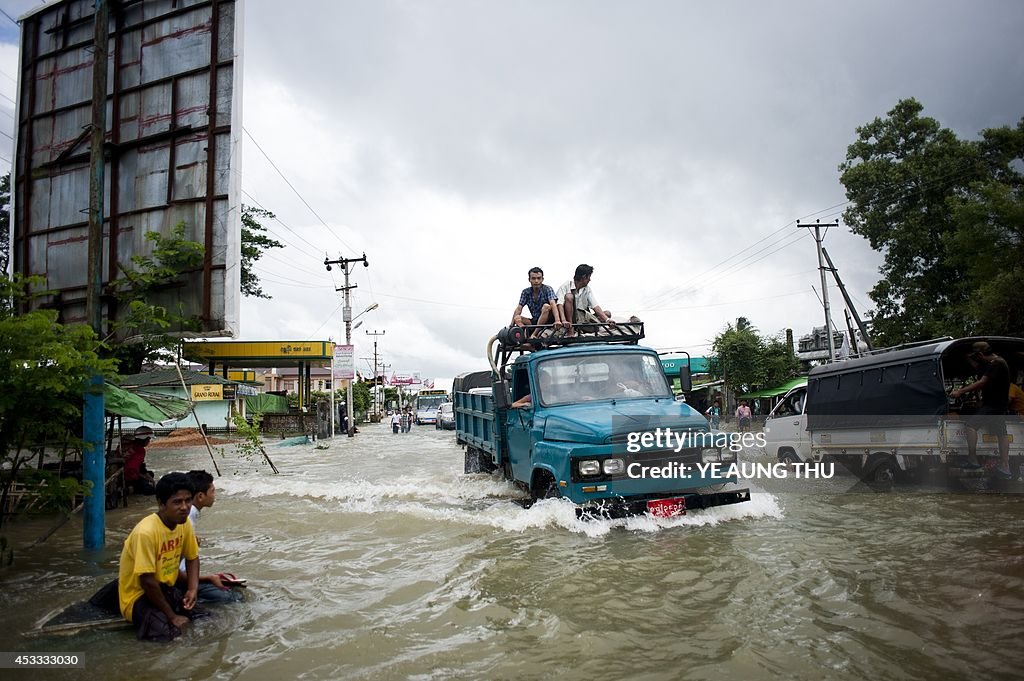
pixel 172 150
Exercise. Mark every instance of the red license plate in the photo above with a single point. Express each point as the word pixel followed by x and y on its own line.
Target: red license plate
pixel 666 508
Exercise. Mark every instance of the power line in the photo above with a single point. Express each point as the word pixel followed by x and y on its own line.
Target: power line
pixel 329 317
pixel 290 185
pixel 744 263
pixel 283 281
pixel 316 250
pixel 728 302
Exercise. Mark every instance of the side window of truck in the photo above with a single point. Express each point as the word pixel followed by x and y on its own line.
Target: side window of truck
pixel 520 384
pixel 797 401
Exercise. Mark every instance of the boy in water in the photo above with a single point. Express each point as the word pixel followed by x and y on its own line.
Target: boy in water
pixel 147 595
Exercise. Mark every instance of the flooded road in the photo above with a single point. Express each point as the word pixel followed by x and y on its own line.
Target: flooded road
pixel 376 558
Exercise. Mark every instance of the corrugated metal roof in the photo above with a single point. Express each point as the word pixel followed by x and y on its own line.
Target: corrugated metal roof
pixel 169 377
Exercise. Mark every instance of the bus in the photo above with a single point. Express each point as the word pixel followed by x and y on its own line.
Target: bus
pixel 427 402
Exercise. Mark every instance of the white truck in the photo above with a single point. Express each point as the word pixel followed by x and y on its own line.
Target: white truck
pixel 785 429
pixel 889 413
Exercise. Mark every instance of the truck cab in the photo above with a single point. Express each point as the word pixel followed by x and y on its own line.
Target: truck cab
pixel 580 419
pixel 785 429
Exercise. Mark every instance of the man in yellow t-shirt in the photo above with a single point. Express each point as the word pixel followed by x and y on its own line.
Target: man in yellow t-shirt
pixel 149 564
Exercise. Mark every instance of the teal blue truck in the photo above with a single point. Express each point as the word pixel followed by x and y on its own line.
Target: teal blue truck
pixel 592 419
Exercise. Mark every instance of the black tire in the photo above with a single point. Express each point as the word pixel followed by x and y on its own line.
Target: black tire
pixel 472 464
pixel 544 487
pixel 882 472
pixel 788 457
pixel 478 461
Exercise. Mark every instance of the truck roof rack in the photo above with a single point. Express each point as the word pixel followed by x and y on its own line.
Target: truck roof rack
pixel 904 346
pixel 517 340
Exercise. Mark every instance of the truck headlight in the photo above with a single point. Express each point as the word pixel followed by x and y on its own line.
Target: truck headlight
pixel 728 455
pixel 613 466
pixel 710 455
pixel 590 467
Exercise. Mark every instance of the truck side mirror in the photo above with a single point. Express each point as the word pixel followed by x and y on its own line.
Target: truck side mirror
pixel 685 381
pixel 499 389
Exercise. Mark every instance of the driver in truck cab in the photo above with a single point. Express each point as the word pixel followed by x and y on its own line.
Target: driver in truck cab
pixel 546 389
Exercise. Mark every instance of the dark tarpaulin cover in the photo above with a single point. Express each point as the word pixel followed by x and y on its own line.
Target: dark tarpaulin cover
pixel 906 394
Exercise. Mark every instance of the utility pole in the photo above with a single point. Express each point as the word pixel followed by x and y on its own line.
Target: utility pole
pixel 824 285
pixel 376 410
pixel 94 462
pixel 384 372
pixel 347 317
pixel 849 303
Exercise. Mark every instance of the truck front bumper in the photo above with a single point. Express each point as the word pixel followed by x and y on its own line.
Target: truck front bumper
pixel 621 508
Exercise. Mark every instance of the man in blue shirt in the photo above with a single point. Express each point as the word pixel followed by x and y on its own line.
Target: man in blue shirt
pixel 539 302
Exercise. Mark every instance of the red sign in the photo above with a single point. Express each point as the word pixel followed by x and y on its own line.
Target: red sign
pixel 667 508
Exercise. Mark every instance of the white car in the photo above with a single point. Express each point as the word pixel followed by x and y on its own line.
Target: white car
pixel 446 417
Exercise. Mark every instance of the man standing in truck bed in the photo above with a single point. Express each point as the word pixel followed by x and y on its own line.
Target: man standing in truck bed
pixel 995 399
pixel 579 303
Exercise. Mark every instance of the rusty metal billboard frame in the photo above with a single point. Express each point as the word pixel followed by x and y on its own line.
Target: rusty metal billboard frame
pixel 172 150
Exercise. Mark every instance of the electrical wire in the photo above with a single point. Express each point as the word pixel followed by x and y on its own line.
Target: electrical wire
pixel 292 187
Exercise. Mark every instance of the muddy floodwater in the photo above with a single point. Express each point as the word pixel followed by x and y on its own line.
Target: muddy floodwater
pixel 376 558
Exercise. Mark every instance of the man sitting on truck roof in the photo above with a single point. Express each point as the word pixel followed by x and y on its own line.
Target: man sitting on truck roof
pixel 579 304
pixel 995 398
pixel 540 302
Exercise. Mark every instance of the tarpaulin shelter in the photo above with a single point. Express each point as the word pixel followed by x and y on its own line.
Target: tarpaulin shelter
pixel 777 390
pixel 148 407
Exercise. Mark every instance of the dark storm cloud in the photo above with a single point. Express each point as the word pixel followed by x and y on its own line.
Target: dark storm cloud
pixel 498 100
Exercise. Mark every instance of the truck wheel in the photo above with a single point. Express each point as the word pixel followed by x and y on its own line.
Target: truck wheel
pixel 478 461
pixel 883 472
pixel 544 487
pixel 788 457
pixel 472 461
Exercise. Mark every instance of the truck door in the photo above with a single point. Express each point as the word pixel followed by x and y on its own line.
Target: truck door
pixel 786 428
pixel 519 425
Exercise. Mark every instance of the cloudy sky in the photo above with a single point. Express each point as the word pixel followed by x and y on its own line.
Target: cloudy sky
pixel 671 145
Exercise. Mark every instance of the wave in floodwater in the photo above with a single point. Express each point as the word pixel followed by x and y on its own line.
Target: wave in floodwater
pixel 477 500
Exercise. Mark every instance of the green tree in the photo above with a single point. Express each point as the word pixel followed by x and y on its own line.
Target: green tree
pixel 255 243
pixel 747 361
pixel 44 366
pixel 946 214
pixel 361 396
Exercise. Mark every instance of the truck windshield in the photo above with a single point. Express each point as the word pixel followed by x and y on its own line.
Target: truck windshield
pixel 568 380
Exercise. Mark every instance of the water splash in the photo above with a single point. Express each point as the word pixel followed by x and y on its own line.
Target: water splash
pixel 481 500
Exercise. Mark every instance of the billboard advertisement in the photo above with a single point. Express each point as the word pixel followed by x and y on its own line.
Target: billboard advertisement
pixel 344 363
pixel 172 150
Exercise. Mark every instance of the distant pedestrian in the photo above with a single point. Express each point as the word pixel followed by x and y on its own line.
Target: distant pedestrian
pixel 396 422
pixel 743 417
pixel 714 414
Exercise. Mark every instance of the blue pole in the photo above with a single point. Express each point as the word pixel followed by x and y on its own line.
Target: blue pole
pixel 93 455
pixel 94 464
